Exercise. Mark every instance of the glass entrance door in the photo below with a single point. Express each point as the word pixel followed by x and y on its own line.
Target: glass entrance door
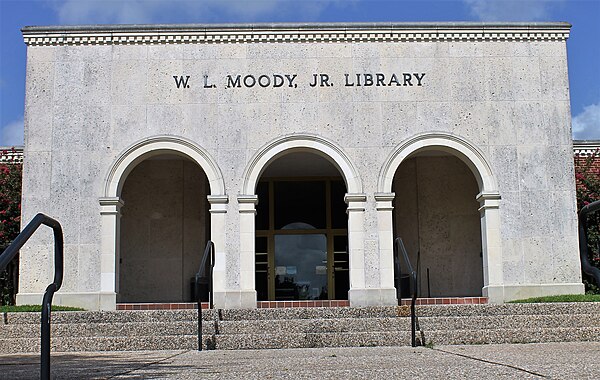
pixel 301 240
pixel 301 267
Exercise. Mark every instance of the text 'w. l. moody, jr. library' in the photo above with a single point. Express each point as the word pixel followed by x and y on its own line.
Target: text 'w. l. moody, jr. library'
pixel 302 151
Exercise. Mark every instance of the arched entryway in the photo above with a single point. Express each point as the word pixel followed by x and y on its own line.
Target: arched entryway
pixel 328 155
pixel 437 216
pixel 301 230
pixel 446 206
pixel 168 180
pixel 165 223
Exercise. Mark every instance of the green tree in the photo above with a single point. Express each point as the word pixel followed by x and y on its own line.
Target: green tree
pixel 587 175
pixel 10 222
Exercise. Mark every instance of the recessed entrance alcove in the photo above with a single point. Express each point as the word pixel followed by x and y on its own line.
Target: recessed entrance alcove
pixel 301 230
pixel 164 226
pixel 436 214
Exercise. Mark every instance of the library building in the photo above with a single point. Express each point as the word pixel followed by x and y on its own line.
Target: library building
pixel 303 152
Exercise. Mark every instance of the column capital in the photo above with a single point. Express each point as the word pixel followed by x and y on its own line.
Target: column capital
pixel 488 200
pixel 355 201
pixel 384 201
pixel 217 199
pixel 355 197
pixel 110 205
pixel 247 203
pixel 218 203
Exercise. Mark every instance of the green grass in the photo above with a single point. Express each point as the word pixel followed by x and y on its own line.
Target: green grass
pixel 562 298
pixel 35 308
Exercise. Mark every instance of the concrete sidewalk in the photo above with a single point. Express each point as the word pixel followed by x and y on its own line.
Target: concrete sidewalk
pixel 523 361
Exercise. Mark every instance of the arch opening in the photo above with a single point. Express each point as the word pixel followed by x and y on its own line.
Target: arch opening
pixel 145 152
pixel 165 223
pixel 301 229
pixel 483 202
pixel 437 216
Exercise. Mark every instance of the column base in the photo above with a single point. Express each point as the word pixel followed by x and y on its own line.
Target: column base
pixel 235 299
pixel 87 301
pixel 372 297
pixel 505 293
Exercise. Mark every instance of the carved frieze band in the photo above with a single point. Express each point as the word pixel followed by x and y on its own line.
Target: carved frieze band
pixel 35 37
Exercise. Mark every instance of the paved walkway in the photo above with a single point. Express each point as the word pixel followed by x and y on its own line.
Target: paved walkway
pixel 523 361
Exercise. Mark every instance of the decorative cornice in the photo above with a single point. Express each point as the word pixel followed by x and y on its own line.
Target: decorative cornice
pixel 11 155
pixel 289 32
pixel 586 148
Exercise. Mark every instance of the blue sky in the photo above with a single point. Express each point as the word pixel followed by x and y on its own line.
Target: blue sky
pixel 583 45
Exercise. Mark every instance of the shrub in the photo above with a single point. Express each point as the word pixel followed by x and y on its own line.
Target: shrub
pixel 10 223
pixel 587 175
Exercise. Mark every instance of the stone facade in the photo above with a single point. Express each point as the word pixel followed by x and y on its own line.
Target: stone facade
pixel 102 99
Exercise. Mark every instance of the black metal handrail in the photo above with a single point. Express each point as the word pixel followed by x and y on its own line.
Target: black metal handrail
pixel 13 250
pixel 399 247
pixel 203 282
pixel 586 266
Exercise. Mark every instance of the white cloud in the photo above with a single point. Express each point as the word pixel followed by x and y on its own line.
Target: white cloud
pixel 182 11
pixel 11 134
pixel 586 125
pixel 512 10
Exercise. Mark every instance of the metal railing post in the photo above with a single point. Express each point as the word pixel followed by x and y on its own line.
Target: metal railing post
pixel 13 250
pixel 202 277
pixel 399 247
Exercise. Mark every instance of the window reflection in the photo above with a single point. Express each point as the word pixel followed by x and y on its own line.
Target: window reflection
pixel 300 266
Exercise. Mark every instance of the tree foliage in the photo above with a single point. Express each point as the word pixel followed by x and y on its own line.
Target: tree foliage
pixel 587 175
pixel 10 223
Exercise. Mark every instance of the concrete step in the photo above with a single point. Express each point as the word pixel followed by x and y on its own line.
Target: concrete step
pixel 302 327
pixel 509 309
pixel 304 313
pixel 113 316
pixel 312 340
pixel 73 344
pixel 497 336
pixel 108 329
pixel 479 322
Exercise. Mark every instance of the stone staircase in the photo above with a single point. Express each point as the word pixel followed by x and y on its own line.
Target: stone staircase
pixel 302 327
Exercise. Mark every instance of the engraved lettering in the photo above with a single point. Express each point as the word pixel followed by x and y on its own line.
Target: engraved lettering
pixel 325 81
pixel 180 81
pixel 291 79
pixel 249 81
pixel 206 84
pixel 419 78
pixel 347 83
pixel 394 79
pixel 277 80
pixel 233 83
pixel 264 81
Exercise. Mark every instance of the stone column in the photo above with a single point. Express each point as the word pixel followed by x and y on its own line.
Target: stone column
pixel 245 295
pixel 385 232
pixel 360 294
pixel 493 274
pixel 110 211
pixel 218 212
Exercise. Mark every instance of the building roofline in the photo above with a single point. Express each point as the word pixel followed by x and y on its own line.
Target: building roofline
pixel 300 26
pixel 293 32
